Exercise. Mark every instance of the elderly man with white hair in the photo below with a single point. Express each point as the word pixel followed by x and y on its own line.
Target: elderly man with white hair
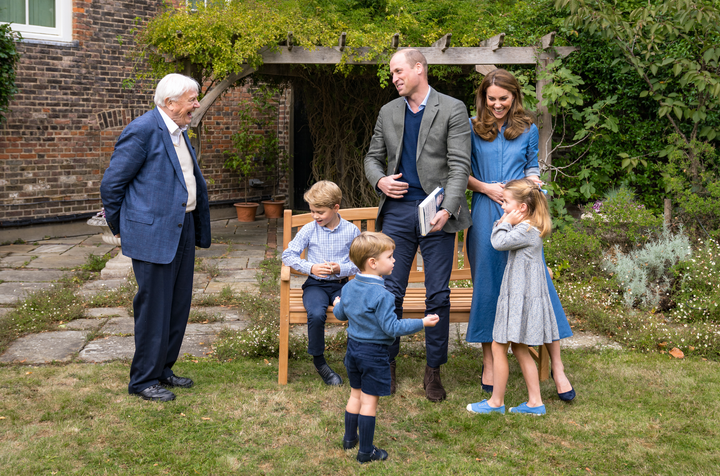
pixel 156 200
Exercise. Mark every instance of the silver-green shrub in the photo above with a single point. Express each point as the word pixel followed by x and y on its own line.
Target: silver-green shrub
pixel 645 274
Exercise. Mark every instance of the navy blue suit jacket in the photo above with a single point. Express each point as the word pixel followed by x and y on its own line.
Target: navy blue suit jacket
pixel 144 193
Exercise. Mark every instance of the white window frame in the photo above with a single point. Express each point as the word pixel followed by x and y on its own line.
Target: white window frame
pixel 62 32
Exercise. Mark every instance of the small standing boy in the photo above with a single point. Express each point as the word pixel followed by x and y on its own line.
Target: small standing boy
pixel 328 265
pixel 369 309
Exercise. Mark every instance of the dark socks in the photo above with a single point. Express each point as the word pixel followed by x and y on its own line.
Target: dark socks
pixel 366 424
pixel 319 360
pixel 351 426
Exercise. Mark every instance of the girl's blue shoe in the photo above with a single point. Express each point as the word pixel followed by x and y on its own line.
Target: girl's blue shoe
pixel 483 407
pixel 523 408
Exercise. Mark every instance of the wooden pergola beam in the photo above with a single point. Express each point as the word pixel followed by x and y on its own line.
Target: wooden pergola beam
pixel 457 56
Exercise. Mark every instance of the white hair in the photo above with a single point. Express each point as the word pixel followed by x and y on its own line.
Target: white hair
pixel 173 86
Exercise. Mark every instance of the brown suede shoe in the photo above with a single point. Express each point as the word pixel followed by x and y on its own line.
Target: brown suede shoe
pixel 393 380
pixel 434 390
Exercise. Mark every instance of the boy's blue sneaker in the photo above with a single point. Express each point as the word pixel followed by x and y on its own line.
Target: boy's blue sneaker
pixel 483 407
pixel 523 408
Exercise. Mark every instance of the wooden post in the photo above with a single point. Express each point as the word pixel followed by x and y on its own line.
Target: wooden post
pixel 544 118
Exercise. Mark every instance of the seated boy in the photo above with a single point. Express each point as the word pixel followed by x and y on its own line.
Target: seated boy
pixel 369 309
pixel 328 265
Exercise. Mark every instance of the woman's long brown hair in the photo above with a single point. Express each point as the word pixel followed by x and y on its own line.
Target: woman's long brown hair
pixel 518 120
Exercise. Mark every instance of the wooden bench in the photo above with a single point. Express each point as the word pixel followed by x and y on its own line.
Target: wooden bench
pixel 292 310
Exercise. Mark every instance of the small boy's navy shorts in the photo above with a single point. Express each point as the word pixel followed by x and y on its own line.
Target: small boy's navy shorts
pixel 368 367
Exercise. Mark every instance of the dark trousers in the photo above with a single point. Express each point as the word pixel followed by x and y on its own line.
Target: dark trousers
pixel 400 222
pixel 161 307
pixel 317 296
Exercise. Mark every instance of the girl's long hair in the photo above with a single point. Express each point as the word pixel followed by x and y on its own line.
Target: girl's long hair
pixel 518 120
pixel 528 192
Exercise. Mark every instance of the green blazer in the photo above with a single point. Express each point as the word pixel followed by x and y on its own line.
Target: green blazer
pixel 443 153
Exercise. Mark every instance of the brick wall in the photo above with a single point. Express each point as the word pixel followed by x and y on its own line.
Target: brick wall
pixel 70 109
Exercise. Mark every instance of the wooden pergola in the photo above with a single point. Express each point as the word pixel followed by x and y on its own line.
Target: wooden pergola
pixel 490 52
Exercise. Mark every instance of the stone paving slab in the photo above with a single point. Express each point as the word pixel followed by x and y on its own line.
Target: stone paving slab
pixel 215 251
pixel 50 261
pixel 231 263
pixel 83 324
pixel 84 250
pixel 53 248
pixel 215 287
pixel 5 310
pixel 108 348
pixel 119 325
pixel 227 313
pixel 45 347
pixel 254 263
pixel 91 239
pixel 17 249
pixel 15 261
pixel 197 345
pixel 215 327
pixel 248 253
pixel 107 312
pixel 246 275
pixel 96 287
pixel 30 275
pixel 10 293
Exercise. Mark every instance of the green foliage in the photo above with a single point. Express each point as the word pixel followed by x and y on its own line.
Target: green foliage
pixel 223 37
pixel 96 263
pixel 621 220
pixel 672 46
pixel 698 294
pixel 692 178
pixel 573 255
pixel 262 337
pixel 256 141
pixel 9 58
pixel 644 275
pixel 269 276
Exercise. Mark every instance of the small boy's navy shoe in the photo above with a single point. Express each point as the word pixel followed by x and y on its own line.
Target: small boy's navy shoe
pixel 348 445
pixel 329 376
pixel 376 455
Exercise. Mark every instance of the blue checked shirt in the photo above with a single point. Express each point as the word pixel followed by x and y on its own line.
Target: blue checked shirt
pixel 323 245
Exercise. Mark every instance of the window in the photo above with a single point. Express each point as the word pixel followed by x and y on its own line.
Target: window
pixel 49 20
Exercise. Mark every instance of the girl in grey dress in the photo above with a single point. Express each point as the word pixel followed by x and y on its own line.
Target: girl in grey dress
pixel 524 314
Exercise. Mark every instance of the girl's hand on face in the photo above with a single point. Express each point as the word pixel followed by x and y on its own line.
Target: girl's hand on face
pixel 514 217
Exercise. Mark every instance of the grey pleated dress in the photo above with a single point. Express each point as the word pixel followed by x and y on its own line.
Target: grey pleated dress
pixel 524 311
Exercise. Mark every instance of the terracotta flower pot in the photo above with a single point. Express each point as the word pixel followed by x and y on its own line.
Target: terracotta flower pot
pixel 246 211
pixel 273 208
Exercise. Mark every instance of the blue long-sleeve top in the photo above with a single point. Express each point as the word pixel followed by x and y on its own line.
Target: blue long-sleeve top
pixel 369 309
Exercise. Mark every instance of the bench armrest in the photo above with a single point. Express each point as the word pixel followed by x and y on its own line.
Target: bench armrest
pixel 285 273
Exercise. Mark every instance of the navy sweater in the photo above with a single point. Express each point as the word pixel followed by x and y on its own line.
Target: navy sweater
pixel 369 309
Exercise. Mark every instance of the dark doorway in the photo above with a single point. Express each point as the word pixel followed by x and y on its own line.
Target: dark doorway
pixel 303 148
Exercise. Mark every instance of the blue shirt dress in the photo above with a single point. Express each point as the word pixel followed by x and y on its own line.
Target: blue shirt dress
pixel 501 160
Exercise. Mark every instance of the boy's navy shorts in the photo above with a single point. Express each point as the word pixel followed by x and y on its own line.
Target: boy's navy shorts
pixel 368 367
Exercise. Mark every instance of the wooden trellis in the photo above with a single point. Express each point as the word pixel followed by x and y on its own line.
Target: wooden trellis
pixel 278 59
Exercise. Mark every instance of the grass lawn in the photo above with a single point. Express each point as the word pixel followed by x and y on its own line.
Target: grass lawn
pixel 635 414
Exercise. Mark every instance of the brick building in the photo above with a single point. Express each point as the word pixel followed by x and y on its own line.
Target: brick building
pixel 71 107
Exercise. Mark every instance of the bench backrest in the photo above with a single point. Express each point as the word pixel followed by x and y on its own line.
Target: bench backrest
pixel 364 219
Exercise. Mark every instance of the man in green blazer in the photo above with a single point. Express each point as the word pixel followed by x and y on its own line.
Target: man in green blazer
pixel 421 141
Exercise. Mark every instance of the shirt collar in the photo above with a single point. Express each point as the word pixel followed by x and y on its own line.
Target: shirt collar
pixel 371 276
pixel 423 104
pixel 175 130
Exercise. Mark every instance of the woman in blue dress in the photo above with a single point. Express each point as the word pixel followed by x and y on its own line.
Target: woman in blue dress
pixel 496 159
